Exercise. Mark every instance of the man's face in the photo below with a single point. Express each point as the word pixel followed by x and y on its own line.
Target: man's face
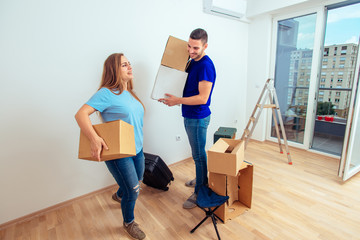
pixel 196 49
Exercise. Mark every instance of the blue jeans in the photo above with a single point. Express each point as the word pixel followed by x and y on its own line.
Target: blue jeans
pixel 196 130
pixel 127 173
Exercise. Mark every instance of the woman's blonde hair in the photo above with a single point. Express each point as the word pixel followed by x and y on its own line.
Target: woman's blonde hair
pixel 111 77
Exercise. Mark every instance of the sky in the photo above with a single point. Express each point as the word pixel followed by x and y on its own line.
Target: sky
pixel 343 26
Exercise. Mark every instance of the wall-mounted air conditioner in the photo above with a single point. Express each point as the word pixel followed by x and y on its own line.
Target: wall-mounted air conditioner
pixel 234 9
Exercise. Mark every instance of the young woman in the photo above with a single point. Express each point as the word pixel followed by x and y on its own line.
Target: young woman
pixel 116 100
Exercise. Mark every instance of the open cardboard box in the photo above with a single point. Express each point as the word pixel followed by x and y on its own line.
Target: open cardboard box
pixel 239 190
pixel 171 76
pixel 118 136
pixel 226 156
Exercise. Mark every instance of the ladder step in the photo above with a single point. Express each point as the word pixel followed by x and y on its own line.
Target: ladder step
pixel 267 105
pixel 270 90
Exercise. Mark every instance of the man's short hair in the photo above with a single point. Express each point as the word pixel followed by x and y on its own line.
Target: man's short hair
pixel 199 33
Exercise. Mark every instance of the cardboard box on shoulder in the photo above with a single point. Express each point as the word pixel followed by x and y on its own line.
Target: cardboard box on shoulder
pixel 118 136
pixel 226 156
pixel 171 76
pixel 239 190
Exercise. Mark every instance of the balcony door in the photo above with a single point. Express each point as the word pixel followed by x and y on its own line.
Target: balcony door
pixel 337 78
pixel 316 75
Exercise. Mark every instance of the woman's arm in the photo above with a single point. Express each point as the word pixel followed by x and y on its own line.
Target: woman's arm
pixel 84 122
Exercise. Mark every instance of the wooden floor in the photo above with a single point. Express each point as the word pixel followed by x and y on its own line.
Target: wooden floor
pixel 305 200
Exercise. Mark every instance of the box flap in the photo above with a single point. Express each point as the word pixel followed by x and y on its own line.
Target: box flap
pixel 246 185
pixel 220 146
pixel 176 54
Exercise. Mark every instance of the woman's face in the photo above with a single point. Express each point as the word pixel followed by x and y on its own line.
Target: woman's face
pixel 126 69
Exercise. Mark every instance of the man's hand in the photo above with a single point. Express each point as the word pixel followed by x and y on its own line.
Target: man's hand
pixel 170 100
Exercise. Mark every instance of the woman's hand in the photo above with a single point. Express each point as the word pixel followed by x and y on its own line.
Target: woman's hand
pixel 97 146
pixel 96 142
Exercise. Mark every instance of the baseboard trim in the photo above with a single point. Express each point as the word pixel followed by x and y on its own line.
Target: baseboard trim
pixel 62 204
pixel 52 208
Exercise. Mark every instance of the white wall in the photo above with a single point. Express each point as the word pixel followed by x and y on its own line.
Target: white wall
pixel 260 31
pixel 51 60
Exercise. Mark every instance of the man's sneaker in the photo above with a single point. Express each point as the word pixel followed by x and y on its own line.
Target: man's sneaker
pixel 116 198
pixel 191 183
pixel 134 231
pixel 190 202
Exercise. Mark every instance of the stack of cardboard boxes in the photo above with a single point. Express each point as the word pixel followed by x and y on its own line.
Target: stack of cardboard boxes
pixel 171 76
pixel 230 175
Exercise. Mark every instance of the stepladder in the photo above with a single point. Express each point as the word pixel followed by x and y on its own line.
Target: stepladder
pixel 268 99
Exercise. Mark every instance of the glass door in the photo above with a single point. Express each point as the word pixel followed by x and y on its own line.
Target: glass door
pixel 350 159
pixel 293 68
pixel 336 78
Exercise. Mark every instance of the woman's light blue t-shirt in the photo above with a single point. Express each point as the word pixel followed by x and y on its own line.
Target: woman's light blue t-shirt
pixel 120 107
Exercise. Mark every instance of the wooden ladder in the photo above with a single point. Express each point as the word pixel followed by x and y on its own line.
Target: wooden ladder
pixel 269 90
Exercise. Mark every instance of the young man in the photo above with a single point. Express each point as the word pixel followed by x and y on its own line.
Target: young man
pixel 195 106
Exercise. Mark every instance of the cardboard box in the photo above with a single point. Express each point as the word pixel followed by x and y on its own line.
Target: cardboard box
pixel 171 76
pixel 168 80
pixel 118 136
pixel 239 190
pixel 226 156
pixel 176 54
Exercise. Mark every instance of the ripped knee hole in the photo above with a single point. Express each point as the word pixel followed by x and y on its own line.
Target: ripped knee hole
pixel 137 188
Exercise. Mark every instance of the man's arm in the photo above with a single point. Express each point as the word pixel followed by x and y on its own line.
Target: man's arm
pixel 201 98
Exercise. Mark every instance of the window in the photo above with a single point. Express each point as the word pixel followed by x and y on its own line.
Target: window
pixel 343 50
pixel 341 66
pixel 326 52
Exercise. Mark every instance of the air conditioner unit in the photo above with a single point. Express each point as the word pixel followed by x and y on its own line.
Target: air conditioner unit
pixel 234 9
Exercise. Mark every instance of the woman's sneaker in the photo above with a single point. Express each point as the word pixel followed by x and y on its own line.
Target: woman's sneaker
pixel 134 231
pixel 116 198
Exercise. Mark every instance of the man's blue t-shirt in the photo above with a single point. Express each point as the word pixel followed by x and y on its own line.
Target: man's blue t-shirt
pixel 203 69
pixel 120 107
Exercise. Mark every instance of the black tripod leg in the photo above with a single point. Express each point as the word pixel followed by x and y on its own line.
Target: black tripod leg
pixel 214 222
pixel 193 230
